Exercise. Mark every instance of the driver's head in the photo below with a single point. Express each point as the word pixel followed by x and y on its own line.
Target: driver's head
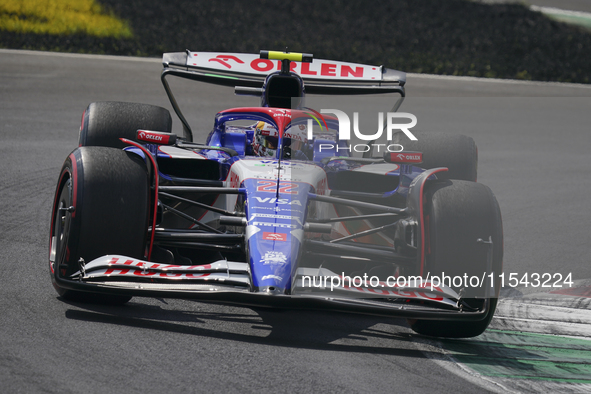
pixel 265 140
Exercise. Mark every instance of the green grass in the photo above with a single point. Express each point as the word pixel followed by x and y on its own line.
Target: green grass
pixel 60 17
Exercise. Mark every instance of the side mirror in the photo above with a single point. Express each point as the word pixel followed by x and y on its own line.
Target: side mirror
pixel 248 91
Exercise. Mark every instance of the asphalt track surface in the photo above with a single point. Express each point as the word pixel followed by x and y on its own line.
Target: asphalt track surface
pixel 534 145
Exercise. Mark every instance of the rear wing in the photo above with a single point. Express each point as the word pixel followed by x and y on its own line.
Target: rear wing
pixel 245 70
pixel 320 76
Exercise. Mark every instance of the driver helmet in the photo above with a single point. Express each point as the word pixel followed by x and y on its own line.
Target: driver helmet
pixel 266 138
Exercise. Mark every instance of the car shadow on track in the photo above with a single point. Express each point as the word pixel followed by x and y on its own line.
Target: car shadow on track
pixel 303 329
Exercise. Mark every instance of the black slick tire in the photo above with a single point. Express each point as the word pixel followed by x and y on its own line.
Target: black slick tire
pixel 457 215
pixel 457 152
pixel 100 207
pixel 104 123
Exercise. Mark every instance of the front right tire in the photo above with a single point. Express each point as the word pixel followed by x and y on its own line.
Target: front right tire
pixel 457 214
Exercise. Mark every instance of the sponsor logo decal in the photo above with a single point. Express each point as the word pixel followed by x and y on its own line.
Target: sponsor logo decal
pixel 146 266
pixel 407 157
pixel 272 132
pixel 223 59
pixel 157 138
pixel 277 278
pixel 280 201
pixel 268 215
pixel 253 64
pixel 234 180
pixel 280 225
pixel 273 258
pixel 274 236
pixel 144 136
pixel 276 114
pixel 322 186
pixel 275 216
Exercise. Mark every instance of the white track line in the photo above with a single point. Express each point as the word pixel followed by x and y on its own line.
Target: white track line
pixel 82 55
pixel 457 78
pixel 560 11
pixel 440 356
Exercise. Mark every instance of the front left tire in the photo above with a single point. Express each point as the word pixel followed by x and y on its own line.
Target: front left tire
pixel 101 207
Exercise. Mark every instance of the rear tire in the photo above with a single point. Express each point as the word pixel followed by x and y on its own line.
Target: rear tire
pixel 109 192
pixel 457 152
pixel 457 213
pixel 103 123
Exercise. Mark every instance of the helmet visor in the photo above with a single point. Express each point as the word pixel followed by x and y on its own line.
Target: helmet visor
pixel 269 142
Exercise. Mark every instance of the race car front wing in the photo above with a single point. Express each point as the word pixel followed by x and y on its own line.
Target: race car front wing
pixel 229 282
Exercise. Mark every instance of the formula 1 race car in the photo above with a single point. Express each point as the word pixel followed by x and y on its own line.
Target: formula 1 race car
pixel 278 208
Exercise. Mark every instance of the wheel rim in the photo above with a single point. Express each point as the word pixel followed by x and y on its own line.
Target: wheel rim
pixel 61 229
